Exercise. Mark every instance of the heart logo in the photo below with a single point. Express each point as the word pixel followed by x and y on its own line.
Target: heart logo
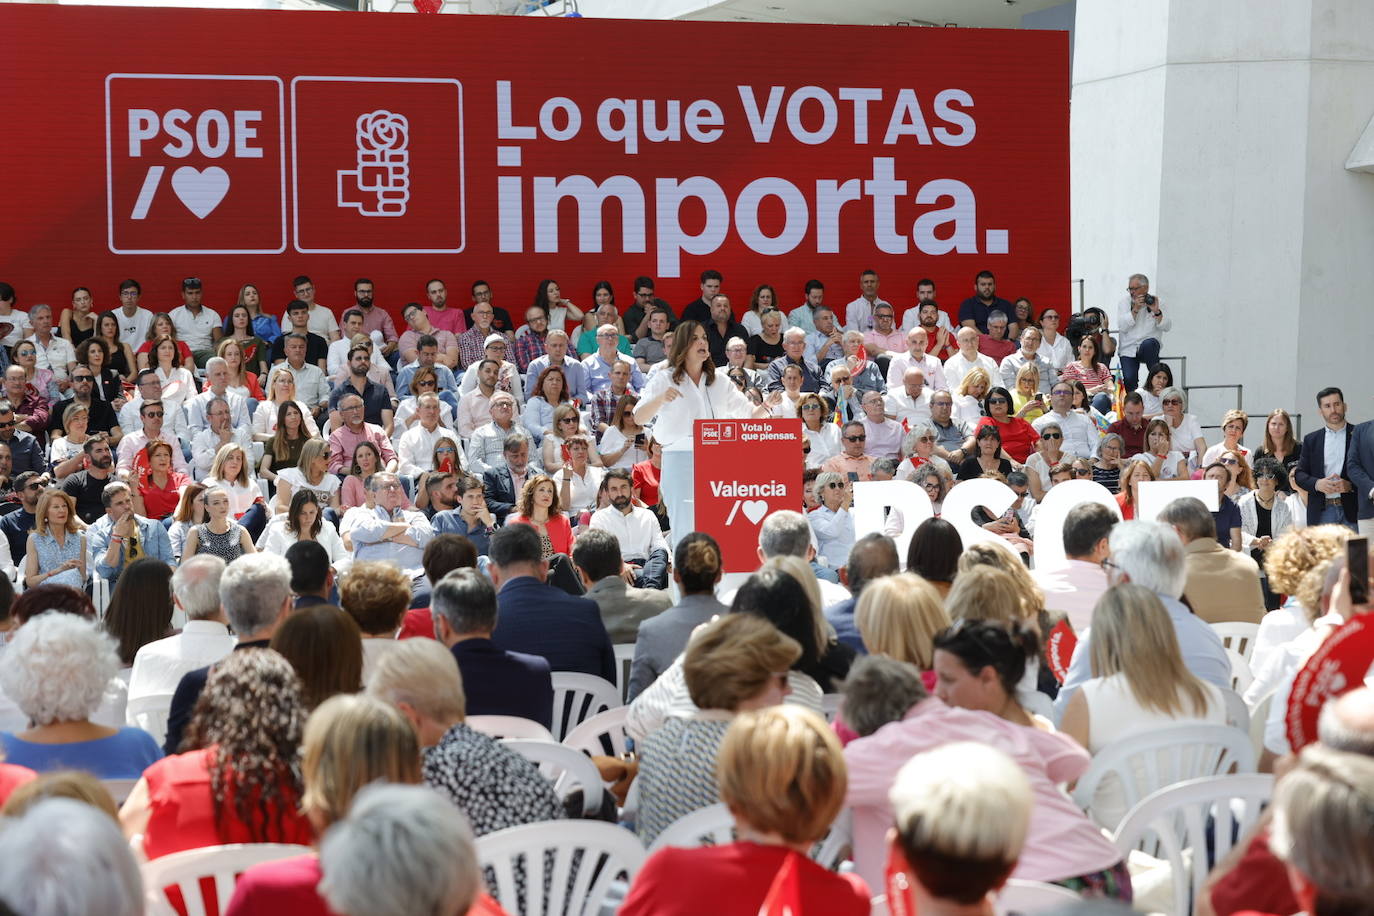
pixel 200 190
pixel 754 509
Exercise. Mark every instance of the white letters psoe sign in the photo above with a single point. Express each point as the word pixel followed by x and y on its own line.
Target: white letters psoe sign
pixel 958 507
pixel 872 497
pixel 1156 494
pixel 1050 516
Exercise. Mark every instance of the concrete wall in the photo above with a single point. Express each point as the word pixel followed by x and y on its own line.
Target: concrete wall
pixel 1209 142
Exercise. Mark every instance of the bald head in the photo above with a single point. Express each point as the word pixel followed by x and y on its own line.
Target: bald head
pixel 967 338
pixel 914 380
pixel 1347 723
pixel 916 341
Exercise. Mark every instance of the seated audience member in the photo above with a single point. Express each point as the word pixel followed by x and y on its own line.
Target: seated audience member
pixel 778 594
pixel 56 670
pixel 1073 588
pixel 87 486
pixel 1150 554
pixel 963 815
pixel 880 690
pixel 780 810
pixel 350 742
pixel 77 785
pixel 400 852
pixel 376 596
pixel 38 848
pixel 493 785
pixel 596 555
pixel 933 553
pixel 472 518
pixel 729 668
pixel 312 578
pixel 697 570
pixel 636 529
pixel 538 619
pixel 1062 847
pixel 325 647
pixel 898 616
pixel 389 531
pixel 872 557
pixel 443 555
pixel 303 522
pixel 788 534
pixel 1139 684
pixel 236 780
pixel 852 458
pixel 140 609
pixel 981 664
pixel 1287 565
pixel 56 550
pixel 831 522
pixel 1222 585
pixel 120 535
pixel 255 593
pixel 495 682
pixel 505 483
pixel 19 521
pixel 219 534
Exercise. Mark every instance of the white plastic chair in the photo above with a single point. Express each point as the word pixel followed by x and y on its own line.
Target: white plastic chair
pixel 1237 713
pixel 119 789
pixel 624 657
pixel 566 768
pixel 1241 675
pixel 1238 636
pixel 713 825
pixel 830 704
pixel 602 734
pixel 509 727
pixel 831 850
pixel 224 864
pixel 1030 897
pixel 1186 823
pixel 578 697
pixel 150 713
pixel 610 855
pixel 1148 762
pixel 100 595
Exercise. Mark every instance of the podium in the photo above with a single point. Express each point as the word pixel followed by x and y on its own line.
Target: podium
pixel 744 471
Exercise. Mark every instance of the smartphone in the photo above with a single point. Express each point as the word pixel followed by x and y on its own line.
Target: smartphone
pixel 854 476
pixel 1357 561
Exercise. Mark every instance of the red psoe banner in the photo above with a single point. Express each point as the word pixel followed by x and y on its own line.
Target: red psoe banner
pixel 745 470
pixel 250 146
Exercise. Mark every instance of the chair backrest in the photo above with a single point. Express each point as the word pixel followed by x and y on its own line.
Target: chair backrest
pixel 602 734
pixel 1241 675
pixel 1259 718
pixel 624 658
pixel 1237 713
pixel 509 727
pixel 566 768
pixel 149 712
pixel 119 789
pixel 1030 897
pixel 1238 636
pixel 578 697
pixel 1205 816
pixel 830 704
pixel 571 884
pixel 831 850
pixel 221 864
pixel 713 825
pixel 1148 762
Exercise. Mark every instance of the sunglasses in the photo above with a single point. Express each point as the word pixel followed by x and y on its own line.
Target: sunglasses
pixel 427 383
pixel 568 420
pixel 811 407
pixel 1052 436
pixel 846 438
pixel 931 485
pixel 1229 461
pixel 444 449
pixel 997 400
pixel 33 486
pixel 834 486
pixel 1082 472
pixel 151 413
pixel 83 378
pixel 1172 401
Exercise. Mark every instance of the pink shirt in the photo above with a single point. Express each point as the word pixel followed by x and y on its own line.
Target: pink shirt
pixel 1062 842
pixel 343 441
pixel 1074 590
pixel 450 319
pixel 378 319
pixel 877 341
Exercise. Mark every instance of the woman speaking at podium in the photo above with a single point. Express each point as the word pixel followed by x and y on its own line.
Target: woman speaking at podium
pixel 686 390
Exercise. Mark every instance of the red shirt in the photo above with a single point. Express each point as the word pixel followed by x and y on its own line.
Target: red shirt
pixel 159 502
pixel 1258 882
pixel 997 349
pixel 645 476
pixel 417 622
pixel 733 881
pixel 1127 510
pixel 1018 436
pixel 12 776
pixel 1133 437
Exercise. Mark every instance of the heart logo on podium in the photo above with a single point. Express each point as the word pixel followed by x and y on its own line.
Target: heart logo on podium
pixel 201 190
pixel 754 509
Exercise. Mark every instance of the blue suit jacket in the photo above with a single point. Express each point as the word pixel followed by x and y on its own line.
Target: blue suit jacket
pixel 1312 468
pixel 501 495
pixel 1359 461
pixel 500 683
pixel 538 619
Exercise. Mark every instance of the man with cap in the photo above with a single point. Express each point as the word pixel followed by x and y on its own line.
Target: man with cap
pixel 198 327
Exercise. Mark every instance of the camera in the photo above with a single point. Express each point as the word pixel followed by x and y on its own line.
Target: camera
pixel 1149 300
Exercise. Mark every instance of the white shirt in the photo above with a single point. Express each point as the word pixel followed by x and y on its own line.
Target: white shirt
pixel 336 362
pixel 173 421
pixel 206 445
pixel 908 409
pixel 366 526
pixel 956 367
pixel 486 448
pixel 508 372
pixel 1333 453
pixel 407 408
pixel 196 407
pixel 275 538
pixel 321 321
pixel 1131 330
pixel 415 449
pixel 133 330
pixel 21 327
pixel 159 665
pixel 265 419
pixel 934 370
pixel 1012 364
pixel 311 386
pixel 324 491
pixel 673 424
pixel 196 331
pixel 582 490
pixel 133 444
pixel 884 441
pixel 638 532
pixel 1080 432
pixel 1058 354
pixel 474 409
pixel 55 356
pixel 858 315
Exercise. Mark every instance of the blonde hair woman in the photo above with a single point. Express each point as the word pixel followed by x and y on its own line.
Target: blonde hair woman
pixel 1032 598
pixel 1026 399
pixel 281 389
pixel 56 550
pixel 241 381
pixel 1139 683
pixel 898 616
pixel 567 422
pixel 310 473
pixel 968 399
pixel 780 810
pixel 231 471
pixel 984 593
pixel 1129 492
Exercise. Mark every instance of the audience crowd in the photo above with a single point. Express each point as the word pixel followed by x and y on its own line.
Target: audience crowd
pixel 292 579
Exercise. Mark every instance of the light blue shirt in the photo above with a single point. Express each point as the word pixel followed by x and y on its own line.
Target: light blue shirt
pixel 151 534
pixel 804 317
pixel 599 372
pixel 834 532
pixel 446 380
pixel 367 528
pixel 1203 653
pixel 573 371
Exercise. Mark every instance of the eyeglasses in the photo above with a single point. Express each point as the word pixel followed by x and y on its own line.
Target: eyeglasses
pixel 568 420
pixel 1061 392
pixel 83 378
pixel 1108 564
pixel 846 438
pixel 35 485
pixel 926 439
pixel 352 407
pixel 1052 436
pixel 424 383
pixel 811 407
pixel 931 485
pixel 390 486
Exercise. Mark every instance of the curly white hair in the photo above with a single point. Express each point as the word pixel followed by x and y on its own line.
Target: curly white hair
pixel 57 666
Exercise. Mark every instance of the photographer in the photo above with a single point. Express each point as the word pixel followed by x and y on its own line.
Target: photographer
pixel 1140 322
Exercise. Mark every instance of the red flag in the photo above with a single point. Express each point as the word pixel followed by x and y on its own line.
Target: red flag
pixel 1059 649
pixel 784 894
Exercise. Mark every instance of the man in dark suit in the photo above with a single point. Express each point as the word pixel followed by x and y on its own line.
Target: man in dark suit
pixel 539 619
pixel 1361 469
pixel 255 592
pixel 1323 469
pixel 503 484
pixel 496 682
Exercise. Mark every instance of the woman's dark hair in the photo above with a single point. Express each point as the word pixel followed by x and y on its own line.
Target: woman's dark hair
pixel 600 285
pixel 101 317
pixel 141 606
pixel 988 431
pixel 376 454
pixel 1097 350
pixel 677 356
pixel 698 563
pixel 299 500
pixel 228 327
pixel 993 392
pixel 1005 645
pixel 934 550
pixel 281 448
pixel 541 296
pixel 739 375
pixel 1270 465
pixel 754 297
pixel 562 377
pixel 325 647
pixel 1157 368
pixel 43 598
pixel 780 599
pixel 1079 398
pixel 83 351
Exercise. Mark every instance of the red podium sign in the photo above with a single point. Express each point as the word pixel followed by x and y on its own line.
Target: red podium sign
pixel 745 469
